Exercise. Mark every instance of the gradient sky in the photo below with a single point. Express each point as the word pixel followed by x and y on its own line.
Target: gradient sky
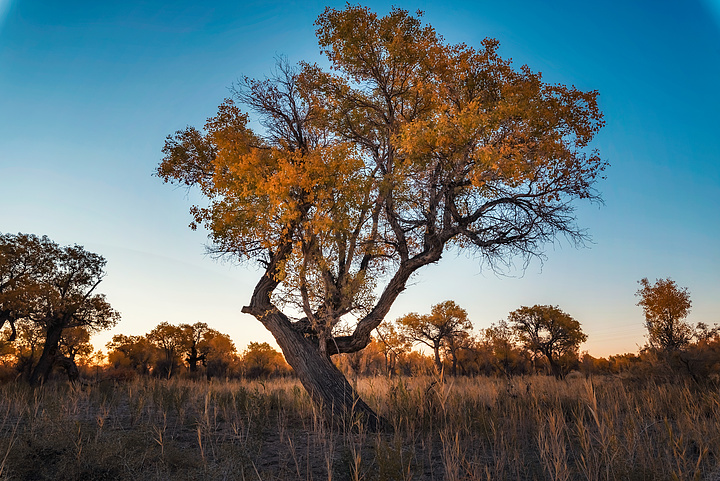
pixel 89 90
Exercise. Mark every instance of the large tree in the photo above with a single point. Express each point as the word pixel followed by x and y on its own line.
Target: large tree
pixel 549 331
pixel 665 306
pixel 366 173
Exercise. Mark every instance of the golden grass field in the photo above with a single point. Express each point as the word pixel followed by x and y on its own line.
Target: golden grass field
pixel 534 428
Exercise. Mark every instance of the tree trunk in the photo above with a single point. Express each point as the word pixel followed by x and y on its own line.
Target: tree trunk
pixel 555 368
pixel 47 359
pixel 438 362
pixel 70 367
pixel 326 385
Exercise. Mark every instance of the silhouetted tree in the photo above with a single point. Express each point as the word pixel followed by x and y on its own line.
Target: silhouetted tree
pixel 193 335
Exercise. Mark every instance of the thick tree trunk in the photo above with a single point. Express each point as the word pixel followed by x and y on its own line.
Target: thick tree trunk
pixel 47 359
pixel 326 385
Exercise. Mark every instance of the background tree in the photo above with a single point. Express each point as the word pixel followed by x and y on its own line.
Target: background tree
pixel 446 322
pixel 393 345
pixel 219 352
pixel 261 360
pixel 548 331
pixel 368 172
pixel 25 261
pixel 170 341
pixel 133 352
pixel 502 341
pixel 459 350
pixel 192 336
pixel 665 306
pixel 64 298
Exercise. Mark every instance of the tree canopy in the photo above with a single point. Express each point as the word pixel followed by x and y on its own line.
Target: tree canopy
pixel 548 331
pixel 665 305
pixel 53 288
pixel 446 323
pixel 365 173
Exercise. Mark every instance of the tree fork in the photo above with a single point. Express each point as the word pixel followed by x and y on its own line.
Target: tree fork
pixel 327 386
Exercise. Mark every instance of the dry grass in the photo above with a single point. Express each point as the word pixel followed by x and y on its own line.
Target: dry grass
pixel 463 428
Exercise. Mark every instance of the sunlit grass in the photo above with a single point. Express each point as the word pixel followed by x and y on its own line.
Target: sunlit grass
pixel 461 428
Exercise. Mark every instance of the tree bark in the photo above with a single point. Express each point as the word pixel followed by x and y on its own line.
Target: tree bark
pixel 47 359
pixel 438 362
pixel 327 386
pixel 555 368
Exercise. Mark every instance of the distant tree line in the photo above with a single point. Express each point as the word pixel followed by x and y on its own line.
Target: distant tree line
pixel 184 350
pixel 191 351
pixel 542 339
pixel 50 307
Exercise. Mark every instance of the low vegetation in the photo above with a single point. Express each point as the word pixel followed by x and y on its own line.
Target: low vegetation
pixel 537 427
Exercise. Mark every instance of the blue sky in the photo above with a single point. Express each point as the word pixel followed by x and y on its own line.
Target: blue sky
pixel 88 92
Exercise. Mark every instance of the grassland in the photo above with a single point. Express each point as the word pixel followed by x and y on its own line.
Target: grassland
pixel 464 428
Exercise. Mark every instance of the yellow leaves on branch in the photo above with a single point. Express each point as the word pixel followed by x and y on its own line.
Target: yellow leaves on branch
pixel 258 188
pixel 405 146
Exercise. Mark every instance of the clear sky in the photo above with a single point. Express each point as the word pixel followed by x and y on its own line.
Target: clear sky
pixel 89 90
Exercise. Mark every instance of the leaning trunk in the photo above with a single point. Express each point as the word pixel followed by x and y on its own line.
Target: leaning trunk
pixel 47 359
pixel 326 385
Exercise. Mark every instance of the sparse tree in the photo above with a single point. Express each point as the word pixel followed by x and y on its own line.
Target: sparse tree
pixel 548 331
pixel 665 306
pixel 367 173
pixel 446 322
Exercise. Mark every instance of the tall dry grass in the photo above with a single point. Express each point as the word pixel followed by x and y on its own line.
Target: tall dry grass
pixel 457 429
